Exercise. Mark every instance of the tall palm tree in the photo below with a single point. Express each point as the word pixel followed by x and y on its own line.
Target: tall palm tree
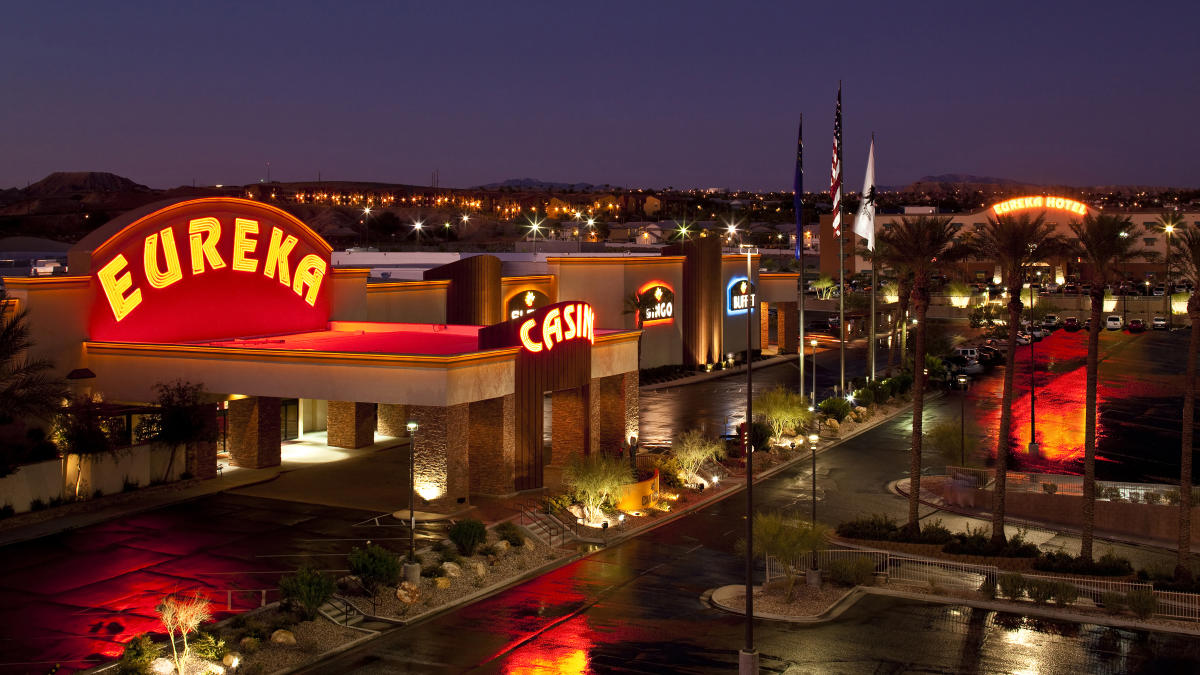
pixel 886 257
pixel 1015 243
pixel 923 243
pixel 1187 258
pixel 1106 241
pixel 1168 223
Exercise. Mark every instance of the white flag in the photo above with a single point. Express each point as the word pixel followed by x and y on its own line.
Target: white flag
pixel 864 222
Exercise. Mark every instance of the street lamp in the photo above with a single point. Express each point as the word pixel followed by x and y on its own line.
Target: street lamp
pixel 417 225
pixel 1167 276
pixel 412 568
pixel 962 419
pixel 1124 289
pixel 813 400
pixel 748 658
pixel 367 225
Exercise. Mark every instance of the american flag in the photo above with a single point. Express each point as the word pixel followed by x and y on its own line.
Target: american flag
pixel 835 183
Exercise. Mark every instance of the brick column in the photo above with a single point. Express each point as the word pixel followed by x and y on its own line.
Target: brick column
pixel 569 428
pixel 442 469
pixel 202 456
pixel 492 446
pixel 393 420
pixel 764 324
pixel 350 424
pixel 787 326
pixel 253 432
pixel 608 414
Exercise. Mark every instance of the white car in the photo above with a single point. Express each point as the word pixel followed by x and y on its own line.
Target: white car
pixel 1113 323
pixel 1158 323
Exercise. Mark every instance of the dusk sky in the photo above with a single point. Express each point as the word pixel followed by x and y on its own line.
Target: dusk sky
pixel 685 94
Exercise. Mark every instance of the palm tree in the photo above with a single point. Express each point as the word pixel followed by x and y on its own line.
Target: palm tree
pixel 1168 223
pixel 923 243
pixel 27 388
pixel 1105 243
pixel 1187 256
pixel 1015 243
pixel 886 257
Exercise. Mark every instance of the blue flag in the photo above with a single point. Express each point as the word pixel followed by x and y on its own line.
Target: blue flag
pixel 798 187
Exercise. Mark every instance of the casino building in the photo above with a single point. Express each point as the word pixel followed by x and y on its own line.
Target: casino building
pixel 242 298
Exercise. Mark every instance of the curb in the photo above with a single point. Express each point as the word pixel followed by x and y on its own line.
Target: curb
pixel 717 374
pixel 839 606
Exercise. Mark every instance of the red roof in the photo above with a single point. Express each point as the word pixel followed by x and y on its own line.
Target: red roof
pixel 362 337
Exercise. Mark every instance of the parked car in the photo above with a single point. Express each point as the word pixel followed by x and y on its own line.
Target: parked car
pixel 1051 322
pixel 1071 324
pixel 1158 323
pixel 1158 290
pixel 1113 323
pixel 960 364
pixel 990 356
pixel 1024 339
pixel 1137 326
pixel 968 352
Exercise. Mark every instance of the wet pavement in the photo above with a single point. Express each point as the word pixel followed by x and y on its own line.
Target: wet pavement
pixel 74 598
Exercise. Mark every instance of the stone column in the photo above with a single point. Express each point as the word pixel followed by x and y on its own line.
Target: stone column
pixel 632 405
pixel 201 456
pixel 393 420
pixel 608 414
pixel 492 446
pixel 569 428
pixel 442 465
pixel 764 324
pixel 350 424
pixel 253 432
pixel 787 326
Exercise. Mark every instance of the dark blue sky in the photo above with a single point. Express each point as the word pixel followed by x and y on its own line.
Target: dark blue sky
pixel 688 94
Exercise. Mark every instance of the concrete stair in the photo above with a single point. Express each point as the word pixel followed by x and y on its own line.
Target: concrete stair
pixel 340 612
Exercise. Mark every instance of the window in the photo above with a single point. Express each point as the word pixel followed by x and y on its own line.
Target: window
pixel 1149 241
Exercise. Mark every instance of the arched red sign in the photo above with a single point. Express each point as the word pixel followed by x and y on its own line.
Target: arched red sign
pixel 209 268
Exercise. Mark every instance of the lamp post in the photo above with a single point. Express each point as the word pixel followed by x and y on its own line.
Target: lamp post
pixel 812 447
pixel 748 658
pixel 962 419
pixel 813 400
pixel 412 569
pixel 367 225
pixel 1169 229
pixel 417 225
pixel 1124 289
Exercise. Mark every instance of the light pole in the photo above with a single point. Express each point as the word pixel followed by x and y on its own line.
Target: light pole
pixel 412 569
pixel 812 446
pixel 1167 276
pixel 748 658
pixel 813 400
pixel 962 420
pixel 367 225
pixel 1124 287
pixel 417 225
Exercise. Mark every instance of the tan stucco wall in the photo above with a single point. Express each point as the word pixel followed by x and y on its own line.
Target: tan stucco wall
pixel 408 302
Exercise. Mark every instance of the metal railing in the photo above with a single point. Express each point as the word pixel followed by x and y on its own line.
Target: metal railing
pixel 1065 484
pixel 966 577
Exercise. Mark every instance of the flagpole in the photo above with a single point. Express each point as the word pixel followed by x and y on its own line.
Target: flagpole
pixel 874 286
pixel 798 204
pixel 841 253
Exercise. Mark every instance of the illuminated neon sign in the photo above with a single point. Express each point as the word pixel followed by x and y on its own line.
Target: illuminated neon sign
pixel 526 302
pixel 655 304
pixel 740 292
pixel 1022 203
pixel 207 268
pixel 570 321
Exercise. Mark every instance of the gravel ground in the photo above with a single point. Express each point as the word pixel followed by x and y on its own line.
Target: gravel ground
pixel 806 600
pixel 312 638
pixel 509 565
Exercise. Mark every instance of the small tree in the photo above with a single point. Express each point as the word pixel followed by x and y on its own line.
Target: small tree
pixel 824 287
pixel 783 409
pixel 307 589
pixel 182 614
pixel 80 429
pixel 952 441
pixel 594 479
pixel 182 418
pixel 786 539
pixel 168 614
pixel 692 449
pixel 376 568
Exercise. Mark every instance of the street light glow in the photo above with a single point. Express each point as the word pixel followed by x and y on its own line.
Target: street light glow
pixel 418 225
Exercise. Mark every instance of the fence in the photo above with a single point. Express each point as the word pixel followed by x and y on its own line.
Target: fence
pixel 966 577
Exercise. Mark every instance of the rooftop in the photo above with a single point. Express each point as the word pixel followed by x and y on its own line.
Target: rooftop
pixel 362 337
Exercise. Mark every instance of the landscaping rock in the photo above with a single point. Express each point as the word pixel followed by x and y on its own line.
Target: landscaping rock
pixel 451 570
pixel 478 568
pixel 248 645
pixel 408 593
pixel 501 546
pixel 442 583
pixel 162 666
pixel 231 660
pixel 283 637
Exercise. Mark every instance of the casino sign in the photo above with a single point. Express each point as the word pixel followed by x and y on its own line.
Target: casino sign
pixel 525 302
pixel 655 304
pixel 740 292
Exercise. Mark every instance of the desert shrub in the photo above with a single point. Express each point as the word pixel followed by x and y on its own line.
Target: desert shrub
pixel 468 535
pixel 250 645
pixel 431 570
pixel 487 549
pixel 376 568
pixel 1108 565
pixel 934 533
pixel 508 531
pixel 307 590
pixel 864 396
pixel 669 470
pixel 692 449
pixel 855 571
pixel 880 527
pixel 1113 602
pixel 1142 603
pixel 836 407
pixel 971 542
pixel 209 646
pixel 1050 488
pixel 594 479
pixel 1039 591
pixel 1152 498
pixel 37 505
pixel 139 653
pixel 783 409
pixel 1065 593
pixel 1012 586
pixel 1173 497
pixel 901 383
pixel 988 588
pixel 450 555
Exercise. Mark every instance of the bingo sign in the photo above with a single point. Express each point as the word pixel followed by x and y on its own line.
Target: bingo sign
pixel 525 302
pixel 208 269
pixel 740 296
pixel 655 304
